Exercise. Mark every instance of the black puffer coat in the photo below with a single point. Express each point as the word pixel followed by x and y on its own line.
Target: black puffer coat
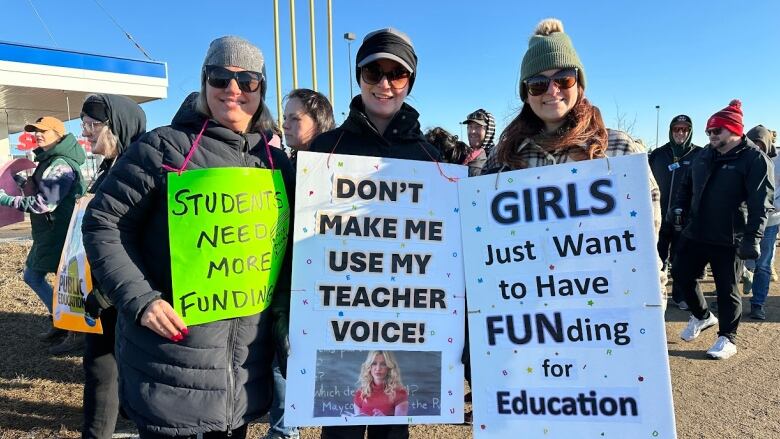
pixel 219 377
pixel 729 195
pixel 402 138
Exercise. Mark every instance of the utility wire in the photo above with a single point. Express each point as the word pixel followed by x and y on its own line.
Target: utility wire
pixel 127 34
pixel 43 23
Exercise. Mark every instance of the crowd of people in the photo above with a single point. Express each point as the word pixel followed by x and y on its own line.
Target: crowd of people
pixel 712 205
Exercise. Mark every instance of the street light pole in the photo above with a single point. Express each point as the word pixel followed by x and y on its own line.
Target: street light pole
pixel 350 37
pixel 657 121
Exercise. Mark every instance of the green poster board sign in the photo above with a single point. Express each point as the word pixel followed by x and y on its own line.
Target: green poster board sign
pixel 228 232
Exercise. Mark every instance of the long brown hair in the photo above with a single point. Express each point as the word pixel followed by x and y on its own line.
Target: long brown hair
pixel 583 135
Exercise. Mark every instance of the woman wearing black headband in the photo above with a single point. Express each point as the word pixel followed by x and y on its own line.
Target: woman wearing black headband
pixel 380 124
pixel 111 123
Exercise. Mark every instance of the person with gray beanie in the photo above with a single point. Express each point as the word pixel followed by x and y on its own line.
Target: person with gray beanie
pixel 214 378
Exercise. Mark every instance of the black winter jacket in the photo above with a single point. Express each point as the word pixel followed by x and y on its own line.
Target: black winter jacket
pixel 729 195
pixel 358 136
pixel 669 171
pixel 219 377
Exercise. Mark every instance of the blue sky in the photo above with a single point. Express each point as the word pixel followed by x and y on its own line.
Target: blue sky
pixel 688 57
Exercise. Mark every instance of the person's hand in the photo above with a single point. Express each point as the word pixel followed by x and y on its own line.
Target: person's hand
pixel 161 318
pixel 676 218
pixel 20 180
pixel 5 199
pixel 748 250
pixel 377 412
pixel 92 307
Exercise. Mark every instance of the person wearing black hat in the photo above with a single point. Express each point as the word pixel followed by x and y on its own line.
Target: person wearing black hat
pixel 481 126
pixel 215 378
pixel 669 164
pixel 380 124
pixel 111 123
pixel 726 195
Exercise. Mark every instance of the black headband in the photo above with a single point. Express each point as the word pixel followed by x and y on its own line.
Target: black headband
pixel 96 109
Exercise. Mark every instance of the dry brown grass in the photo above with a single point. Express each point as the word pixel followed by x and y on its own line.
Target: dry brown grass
pixel 40 395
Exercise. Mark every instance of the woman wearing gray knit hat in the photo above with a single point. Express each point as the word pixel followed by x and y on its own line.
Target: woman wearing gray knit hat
pixel 213 378
pixel 557 123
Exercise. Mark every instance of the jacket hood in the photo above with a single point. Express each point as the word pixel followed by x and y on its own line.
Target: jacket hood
pixel 186 112
pixel 68 147
pixel 761 133
pixel 677 120
pixel 490 132
pixel 127 119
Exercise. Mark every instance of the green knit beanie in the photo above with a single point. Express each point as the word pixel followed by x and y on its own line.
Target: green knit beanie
pixel 550 49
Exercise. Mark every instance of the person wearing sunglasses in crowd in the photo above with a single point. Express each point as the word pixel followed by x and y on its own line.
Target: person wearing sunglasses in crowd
pixel 210 379
pixel 481 127
pixel 669 163
pixel 307 114
pixel 726 196
pixel 49 197
pixel 380 124
pixel 557 123
pixel 110 123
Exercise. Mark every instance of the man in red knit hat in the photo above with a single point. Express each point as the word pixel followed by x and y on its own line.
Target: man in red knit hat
pixel 726 194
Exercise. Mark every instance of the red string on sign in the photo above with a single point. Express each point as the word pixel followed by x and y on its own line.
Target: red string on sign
pixel 438 165
pixel 268 151
pixel 189 154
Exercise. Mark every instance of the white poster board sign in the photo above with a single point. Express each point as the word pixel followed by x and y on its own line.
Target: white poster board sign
pixel 377 304
pixel 564 296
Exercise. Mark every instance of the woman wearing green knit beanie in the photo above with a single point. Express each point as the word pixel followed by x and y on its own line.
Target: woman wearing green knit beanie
pixel 557 124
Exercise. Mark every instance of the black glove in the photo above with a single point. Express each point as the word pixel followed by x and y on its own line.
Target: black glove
pixel 95 304
pixel 281 333
pixel 20 180
pixel 748 250
pixel 676 219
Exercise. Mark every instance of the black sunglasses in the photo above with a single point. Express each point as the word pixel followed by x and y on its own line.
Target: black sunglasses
pixel 539 84
pixel 397 78
pixel 714 131
pixel 220 77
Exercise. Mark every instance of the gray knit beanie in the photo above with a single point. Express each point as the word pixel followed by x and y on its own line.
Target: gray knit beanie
pixel 550 49
pixel 238 52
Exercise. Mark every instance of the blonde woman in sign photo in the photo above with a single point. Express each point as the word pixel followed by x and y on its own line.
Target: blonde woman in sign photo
pixel 381 392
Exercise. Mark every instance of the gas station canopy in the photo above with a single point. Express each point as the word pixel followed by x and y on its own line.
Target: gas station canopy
pixel 38 81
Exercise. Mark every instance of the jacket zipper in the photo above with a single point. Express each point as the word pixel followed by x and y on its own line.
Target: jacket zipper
pixel 230 352
pixel 671 190
pixel 243 148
